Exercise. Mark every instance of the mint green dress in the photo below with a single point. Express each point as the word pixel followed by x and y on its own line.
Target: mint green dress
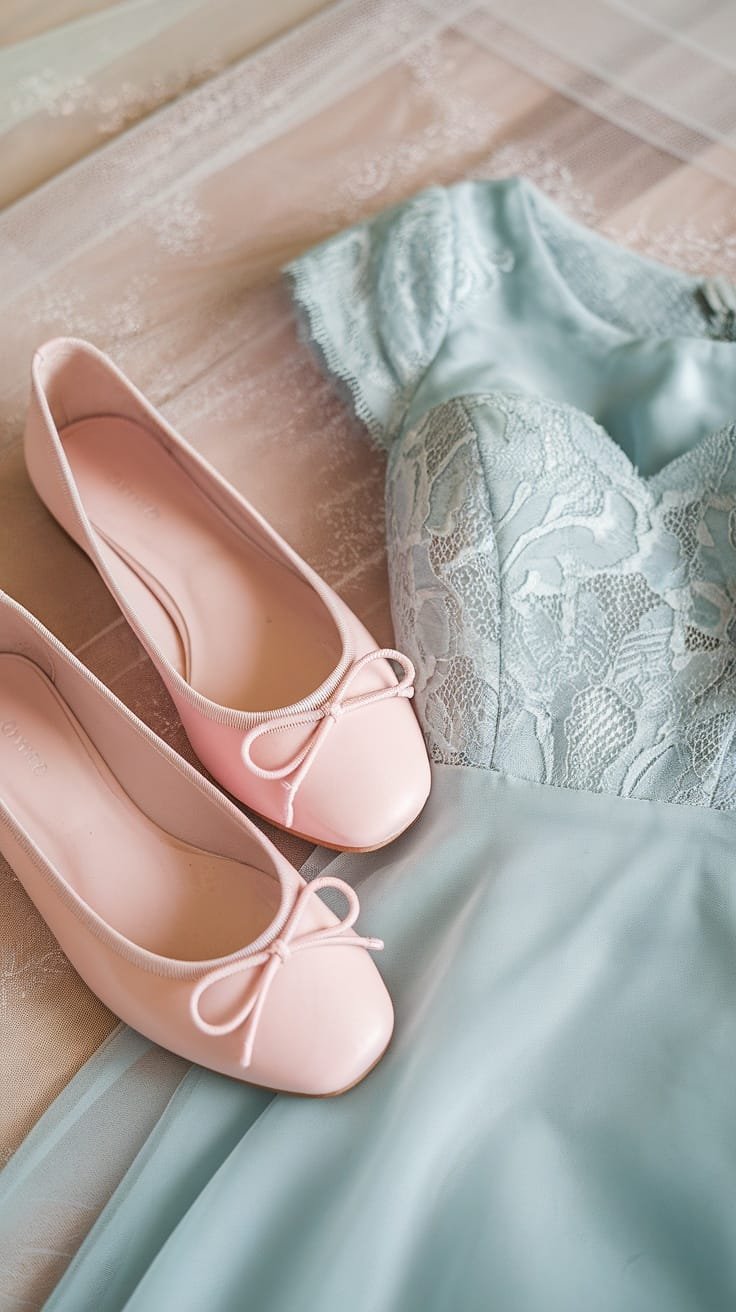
pixel 554 1126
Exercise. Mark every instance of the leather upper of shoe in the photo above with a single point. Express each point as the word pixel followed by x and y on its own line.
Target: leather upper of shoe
pixel 316 966
pixel 345 765
pixel 357 791
pixel 301 1007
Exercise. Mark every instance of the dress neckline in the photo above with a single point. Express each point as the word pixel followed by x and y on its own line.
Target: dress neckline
pixel 540 212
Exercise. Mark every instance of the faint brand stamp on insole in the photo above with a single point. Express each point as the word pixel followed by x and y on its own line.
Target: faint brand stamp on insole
pixel 135 498
pixel 33 759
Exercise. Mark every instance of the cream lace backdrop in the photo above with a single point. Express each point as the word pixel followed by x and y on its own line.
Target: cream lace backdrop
pixel 160 236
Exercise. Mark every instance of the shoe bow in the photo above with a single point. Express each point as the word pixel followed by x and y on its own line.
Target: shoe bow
pixel 294 771
pixel 271 959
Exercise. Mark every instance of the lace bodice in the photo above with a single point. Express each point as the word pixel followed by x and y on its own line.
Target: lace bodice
pixel 561 488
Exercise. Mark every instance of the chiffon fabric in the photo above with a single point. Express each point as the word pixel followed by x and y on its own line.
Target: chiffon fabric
pixel 551 1127
pixel 162 244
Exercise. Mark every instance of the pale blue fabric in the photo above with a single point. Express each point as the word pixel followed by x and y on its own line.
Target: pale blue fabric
pixel 552 1129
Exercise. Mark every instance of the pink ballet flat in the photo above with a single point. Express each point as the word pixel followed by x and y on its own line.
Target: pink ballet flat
pixel 172 905
pixel 282 691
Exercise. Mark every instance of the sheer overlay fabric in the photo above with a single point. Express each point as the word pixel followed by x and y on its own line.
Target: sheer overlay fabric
pixel 164 247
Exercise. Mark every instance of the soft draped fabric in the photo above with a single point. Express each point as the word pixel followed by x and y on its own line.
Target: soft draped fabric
pixel 552 1126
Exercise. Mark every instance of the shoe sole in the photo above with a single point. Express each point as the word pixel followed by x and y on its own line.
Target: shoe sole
pixel 333 847
pixel 335 1093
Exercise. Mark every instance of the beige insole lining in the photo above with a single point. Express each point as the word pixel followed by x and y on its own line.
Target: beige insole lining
pixel 242 628
pixel 160 892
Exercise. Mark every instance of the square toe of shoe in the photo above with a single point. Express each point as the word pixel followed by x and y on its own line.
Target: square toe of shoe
pixel 328 1020
pixel 369 781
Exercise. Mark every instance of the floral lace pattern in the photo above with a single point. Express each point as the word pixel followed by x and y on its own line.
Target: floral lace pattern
pixel 397 277
pixel 572 622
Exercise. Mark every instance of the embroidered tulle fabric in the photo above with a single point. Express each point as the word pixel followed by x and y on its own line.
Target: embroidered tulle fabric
pixel 569 615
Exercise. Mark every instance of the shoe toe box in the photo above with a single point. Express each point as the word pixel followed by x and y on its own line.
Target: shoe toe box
pixel 328 1022
pixel 313 1015
pixel 369 782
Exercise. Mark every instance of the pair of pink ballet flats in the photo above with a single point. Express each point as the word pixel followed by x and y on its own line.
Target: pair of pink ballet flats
pixel 176 910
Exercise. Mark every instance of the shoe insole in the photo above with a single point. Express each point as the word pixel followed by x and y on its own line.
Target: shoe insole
pixel 240 627
pixel 161 893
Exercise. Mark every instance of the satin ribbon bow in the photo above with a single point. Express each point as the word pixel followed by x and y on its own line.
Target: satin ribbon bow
pixel 273 957
pixel 324 718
